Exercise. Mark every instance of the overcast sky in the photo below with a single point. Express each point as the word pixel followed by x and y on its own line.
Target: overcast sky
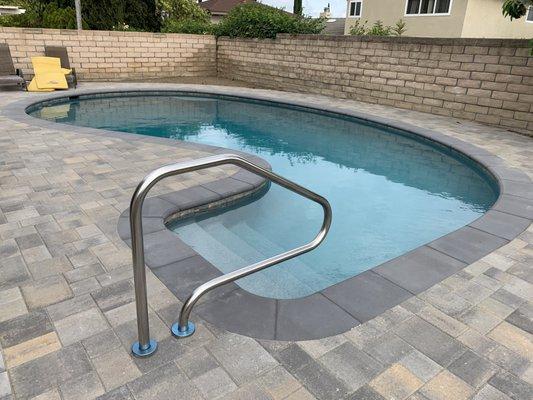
pixel 312 7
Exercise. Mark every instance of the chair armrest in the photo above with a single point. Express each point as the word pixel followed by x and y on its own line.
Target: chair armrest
pixel 18 71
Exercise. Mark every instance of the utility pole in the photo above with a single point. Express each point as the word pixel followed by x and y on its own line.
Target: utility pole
pixel 297 7
pixel 77 4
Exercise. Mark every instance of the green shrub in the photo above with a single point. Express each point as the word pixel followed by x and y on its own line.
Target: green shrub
pixel 255 20
pixel 378 29
pixel 190 26
pixel 358 28
pixel 399 28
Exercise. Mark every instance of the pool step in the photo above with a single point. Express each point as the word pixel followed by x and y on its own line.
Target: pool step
pixel 214 250
pixel 280 277
pixel 296 267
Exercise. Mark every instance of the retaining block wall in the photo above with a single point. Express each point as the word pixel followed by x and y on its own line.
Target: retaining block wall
pixel 104 55
pixel 487 80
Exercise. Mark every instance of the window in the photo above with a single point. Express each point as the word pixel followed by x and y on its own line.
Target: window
pixel 529 16
pixel 355 8
pixel 421 7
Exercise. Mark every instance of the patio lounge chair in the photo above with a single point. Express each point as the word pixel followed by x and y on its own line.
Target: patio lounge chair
pixel 61 53
pixel 8 74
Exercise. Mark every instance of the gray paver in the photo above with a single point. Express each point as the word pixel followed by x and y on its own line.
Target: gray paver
pixel 429 340
pixel 242 357
pixel 473 369
pixel 351 365
pixel 366 295
pixel 23 328
pixel 121 393
pixel 420 269
pixel 511 386
pixel 197 363
pixel 115 368
pixel 82 387
pixel 164 383
pixel 214 383
pixel 79 326
pixel 468 244
pixel 367 393
pixel 34 377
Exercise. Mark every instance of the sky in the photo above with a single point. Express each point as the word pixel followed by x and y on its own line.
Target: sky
pixel 312 7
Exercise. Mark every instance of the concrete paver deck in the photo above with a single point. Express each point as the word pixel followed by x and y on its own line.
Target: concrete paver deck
pixel 67 317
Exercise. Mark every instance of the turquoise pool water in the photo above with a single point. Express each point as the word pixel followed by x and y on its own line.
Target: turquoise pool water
pixel 390 191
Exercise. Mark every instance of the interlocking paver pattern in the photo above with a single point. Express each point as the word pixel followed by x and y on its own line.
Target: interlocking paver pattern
pixel 66 296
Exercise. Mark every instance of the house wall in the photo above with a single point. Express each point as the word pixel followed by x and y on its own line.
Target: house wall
pixel 104 55
pixel 467 19
pixel 390 11
pixel 489 81
pixel 484 19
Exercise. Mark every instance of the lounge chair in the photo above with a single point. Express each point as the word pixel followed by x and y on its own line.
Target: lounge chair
pixel 8 74
pixel 61 53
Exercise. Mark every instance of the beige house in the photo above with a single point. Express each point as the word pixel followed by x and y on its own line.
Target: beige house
pixel 442 18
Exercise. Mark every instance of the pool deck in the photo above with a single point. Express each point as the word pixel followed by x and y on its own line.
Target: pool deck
pixel 67 316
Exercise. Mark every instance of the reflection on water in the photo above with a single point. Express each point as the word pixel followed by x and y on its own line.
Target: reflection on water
pixel 390 191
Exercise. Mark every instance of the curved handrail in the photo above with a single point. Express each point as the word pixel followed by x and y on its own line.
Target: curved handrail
pixel 183 328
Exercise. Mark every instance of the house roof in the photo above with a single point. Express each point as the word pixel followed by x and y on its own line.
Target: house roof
pixel 334 26
pixel 222 7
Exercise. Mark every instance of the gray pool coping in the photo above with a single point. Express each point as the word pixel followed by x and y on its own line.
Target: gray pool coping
pixel 337 308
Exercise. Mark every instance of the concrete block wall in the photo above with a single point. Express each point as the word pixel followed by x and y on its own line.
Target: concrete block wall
pixel 486 80
pixel 105 55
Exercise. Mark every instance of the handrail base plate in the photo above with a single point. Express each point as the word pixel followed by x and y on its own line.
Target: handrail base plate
pixel 138 352
pixel 176 332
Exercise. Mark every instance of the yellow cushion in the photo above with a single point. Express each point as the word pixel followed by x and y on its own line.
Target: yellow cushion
pixel 51 80
pixel 32 87
pixel 42 65
pixel 66 71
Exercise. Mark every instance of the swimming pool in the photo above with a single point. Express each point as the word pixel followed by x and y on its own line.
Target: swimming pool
pixel 390 191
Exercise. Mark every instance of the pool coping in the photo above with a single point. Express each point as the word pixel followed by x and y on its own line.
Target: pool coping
pixel 337 308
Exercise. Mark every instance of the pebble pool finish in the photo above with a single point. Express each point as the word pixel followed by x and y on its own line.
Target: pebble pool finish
pixel 390 191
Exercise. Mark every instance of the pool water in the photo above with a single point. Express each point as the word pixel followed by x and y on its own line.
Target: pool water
pixel 390 191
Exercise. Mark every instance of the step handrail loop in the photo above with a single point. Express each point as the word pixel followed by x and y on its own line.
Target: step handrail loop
pixel 146 346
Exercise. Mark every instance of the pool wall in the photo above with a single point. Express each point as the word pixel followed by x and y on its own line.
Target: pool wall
pixel 341 306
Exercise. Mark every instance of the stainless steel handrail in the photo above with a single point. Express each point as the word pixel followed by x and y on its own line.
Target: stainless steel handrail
pixel 146 346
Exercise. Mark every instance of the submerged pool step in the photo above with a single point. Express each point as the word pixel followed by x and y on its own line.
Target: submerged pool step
pixel 308 277
pixel 215 250
pixel 279 281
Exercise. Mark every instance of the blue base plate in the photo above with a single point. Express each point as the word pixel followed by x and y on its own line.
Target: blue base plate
pixel 186 333
pixel 138 352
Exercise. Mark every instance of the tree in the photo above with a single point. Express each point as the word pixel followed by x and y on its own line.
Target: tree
pixel 107 14
pixel 96 14
pixel 77 6
pixel 179 10
pixel 297 7
pixel 515 9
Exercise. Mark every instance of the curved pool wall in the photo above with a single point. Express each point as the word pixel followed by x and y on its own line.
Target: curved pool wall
pixel 333 310
pixel 391 191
